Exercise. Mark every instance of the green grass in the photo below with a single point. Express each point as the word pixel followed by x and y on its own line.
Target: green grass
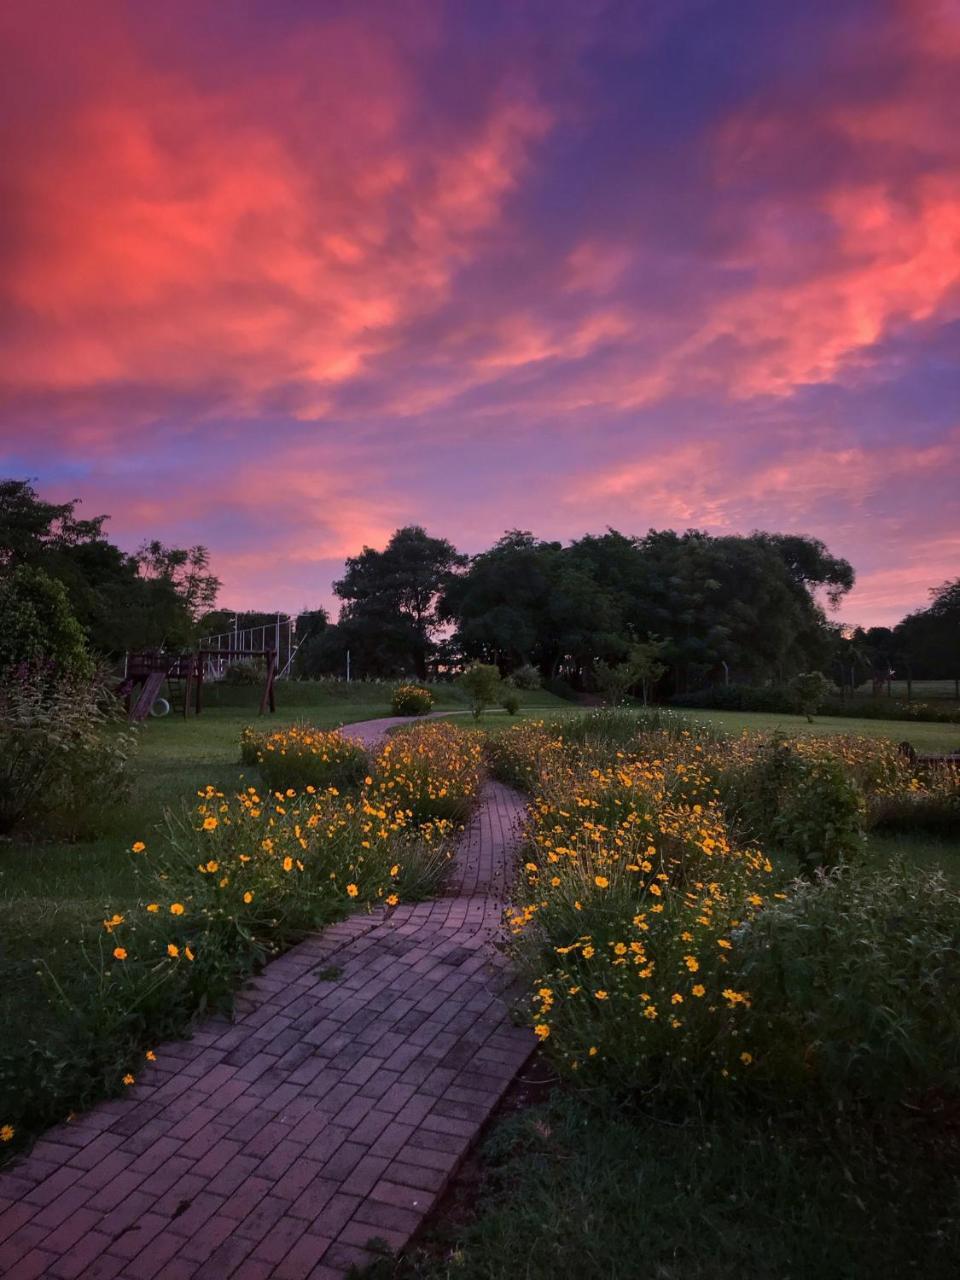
pixel 925 737
pixel 53 896
pixel 587 1190
pixel 933 738
pixel 925 690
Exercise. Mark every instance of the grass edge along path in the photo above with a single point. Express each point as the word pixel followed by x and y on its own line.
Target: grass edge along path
pixel 330 1114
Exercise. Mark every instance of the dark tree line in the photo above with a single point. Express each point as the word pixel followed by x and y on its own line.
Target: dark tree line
pixel 746 608
pixel 924 645
pixel 120 601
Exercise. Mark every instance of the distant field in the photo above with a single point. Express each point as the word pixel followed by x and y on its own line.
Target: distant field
pixel 934 738
pixel 942 738
pixel 926 690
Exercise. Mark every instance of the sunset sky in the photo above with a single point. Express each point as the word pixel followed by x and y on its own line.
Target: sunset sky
pixel 281 275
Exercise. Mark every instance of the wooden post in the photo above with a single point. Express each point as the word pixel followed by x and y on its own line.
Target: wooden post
pixel 187 688
pixel 268 697
pixel 199 702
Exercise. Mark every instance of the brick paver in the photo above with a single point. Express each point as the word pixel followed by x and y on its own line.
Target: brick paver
pixel 327 1115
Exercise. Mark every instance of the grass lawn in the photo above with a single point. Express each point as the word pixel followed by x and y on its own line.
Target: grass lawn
pixel 54 895
pixel 925 737
pixel 582 1187
pixel 933 738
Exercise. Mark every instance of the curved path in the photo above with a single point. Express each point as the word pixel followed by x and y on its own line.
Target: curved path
pixel 329 1114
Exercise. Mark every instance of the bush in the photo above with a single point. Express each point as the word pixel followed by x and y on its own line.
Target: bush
pixel 411 700
pixel 250 741
pixel 510 702
pixel 849 982
pixel 64 761
pixel 482 685
pixel 820 820
pixel 37 625
pixel 777 699
pixel 243 673
pixel 811 689
pixel 433 771
pixel 526 677
pixel 796 797
pixel 301 757
pixel 632 892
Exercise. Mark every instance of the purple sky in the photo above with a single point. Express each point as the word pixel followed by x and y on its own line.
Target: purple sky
pixel 282 275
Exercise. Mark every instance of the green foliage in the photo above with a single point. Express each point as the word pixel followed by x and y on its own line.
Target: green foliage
pixel 820 818
pixel 641 668
pixel 64 762
pixel 782 699
pixel 121 601
pixel 303 757
pixel 243 673
pixel 808 807
pixel 811 689
pixel 850 980
pixel 37 625
pixel 411 700
pixel 510 702
pixel 389 616
pixel 926 641
pixel 526 676
pixel 482 685
pixel 587 1185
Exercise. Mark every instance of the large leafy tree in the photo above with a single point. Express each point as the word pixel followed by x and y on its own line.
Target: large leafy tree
pixel 389 618
pixel 747 604
pixel 529 601
pixel 121 601
pixel 928 640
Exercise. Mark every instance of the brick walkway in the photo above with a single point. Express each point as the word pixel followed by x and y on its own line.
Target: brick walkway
pixel 330 1113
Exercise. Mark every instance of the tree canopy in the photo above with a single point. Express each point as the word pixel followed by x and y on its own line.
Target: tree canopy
pixel 121 601
pixel 389 615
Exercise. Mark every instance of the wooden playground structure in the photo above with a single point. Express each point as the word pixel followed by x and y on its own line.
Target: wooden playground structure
pixel 148 673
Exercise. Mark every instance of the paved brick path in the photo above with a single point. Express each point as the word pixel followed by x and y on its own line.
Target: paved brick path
pixel 329 1114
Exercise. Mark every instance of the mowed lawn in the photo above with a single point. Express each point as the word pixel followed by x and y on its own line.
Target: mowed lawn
pixel 938 739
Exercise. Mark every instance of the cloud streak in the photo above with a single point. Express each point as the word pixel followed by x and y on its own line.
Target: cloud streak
pixel 283 282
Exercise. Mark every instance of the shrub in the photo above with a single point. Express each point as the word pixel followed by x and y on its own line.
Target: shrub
pixel 481 683
pixel 630 899
pixel 411 700
pixel 243 673
pixel 64 761
pixel 820 820
pixel 741 697
pixel 811 689
pixel 796 796
pixel 432 771
pixel 250 743
pixel 510 703
pixel 849 980
pixel 526 677
pixel 302 757
pixel 37 625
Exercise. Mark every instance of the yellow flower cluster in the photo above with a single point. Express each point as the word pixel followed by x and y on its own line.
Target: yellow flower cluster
pixel 431 771
pixel 302 756
pixel 630 902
